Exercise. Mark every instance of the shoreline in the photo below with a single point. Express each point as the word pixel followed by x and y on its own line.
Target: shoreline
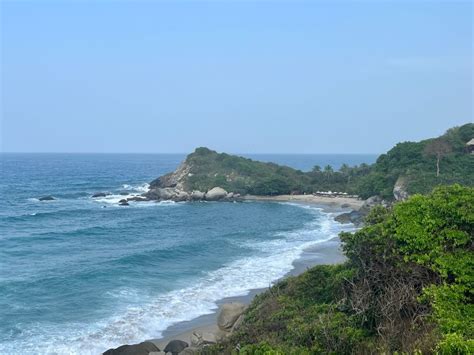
pixel 326 252
pixel 325 201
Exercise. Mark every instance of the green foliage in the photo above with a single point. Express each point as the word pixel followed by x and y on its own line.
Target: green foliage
pixel 298 316
pixel 409 159
pixel 455 344
pixel 242 175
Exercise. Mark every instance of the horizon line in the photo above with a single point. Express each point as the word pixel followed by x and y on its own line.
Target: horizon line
pixel 183 153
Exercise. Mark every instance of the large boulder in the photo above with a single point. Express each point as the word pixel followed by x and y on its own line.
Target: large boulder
pixel 161 194
pixel 369 203
pixel 175 347
pixel 197 195
pixel 180 196
pixel 215 194
pixel 199 339
pixel 144 348
pixel 228 315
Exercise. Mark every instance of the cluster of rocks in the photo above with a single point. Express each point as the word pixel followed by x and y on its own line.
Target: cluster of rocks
pixel 179 195
pixel 229 319
pixel 357 217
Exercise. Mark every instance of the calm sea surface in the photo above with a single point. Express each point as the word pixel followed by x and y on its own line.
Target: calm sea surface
pixel 80 275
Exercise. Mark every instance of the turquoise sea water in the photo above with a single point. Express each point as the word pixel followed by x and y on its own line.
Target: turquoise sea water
pixel 80 275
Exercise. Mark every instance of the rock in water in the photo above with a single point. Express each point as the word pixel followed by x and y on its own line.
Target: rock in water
pixel 123 202
pixel 137 198
pixel 99 194
pixel 215 194
pixel 47 198
pixel 144 348
pixel 229 314
pixel 175 347
pixel 161 194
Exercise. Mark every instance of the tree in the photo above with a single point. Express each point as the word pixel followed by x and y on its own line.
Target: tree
pixel 438 148
pixel 345 169
pixel 316 169
pixel 328 169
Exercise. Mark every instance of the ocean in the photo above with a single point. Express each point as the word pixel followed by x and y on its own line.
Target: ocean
pixel 79 275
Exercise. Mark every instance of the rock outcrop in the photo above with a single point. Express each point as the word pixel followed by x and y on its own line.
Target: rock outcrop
pixel 174 179
pixel 229 314
pixel 357 217
pixel 400 189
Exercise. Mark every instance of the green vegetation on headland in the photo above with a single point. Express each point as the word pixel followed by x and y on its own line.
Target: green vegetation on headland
pixel 407 287
pixel 415 164
pixel 414 167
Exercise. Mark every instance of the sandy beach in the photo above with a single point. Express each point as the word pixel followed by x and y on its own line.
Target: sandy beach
pixel 324 201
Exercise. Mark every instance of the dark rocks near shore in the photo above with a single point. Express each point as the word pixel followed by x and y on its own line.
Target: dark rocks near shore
pixel 137 198
pixel 354 217
pixel 175 347
pixel 144 348
pixel 357 217
pixel 229 318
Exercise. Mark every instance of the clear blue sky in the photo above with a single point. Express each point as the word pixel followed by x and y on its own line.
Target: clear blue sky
pixel 241 76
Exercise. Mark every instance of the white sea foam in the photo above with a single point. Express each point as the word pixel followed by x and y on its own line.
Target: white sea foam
pixel 155 314
pixel 139 188
pixel 133 191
